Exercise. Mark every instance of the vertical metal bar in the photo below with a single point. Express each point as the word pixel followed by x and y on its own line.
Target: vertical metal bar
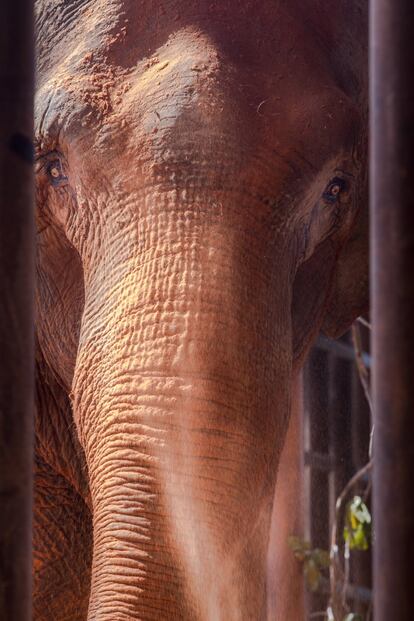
pixel 340 420
pixel 392 241
pixel 316 412
pixel 16 313
pixel 361 562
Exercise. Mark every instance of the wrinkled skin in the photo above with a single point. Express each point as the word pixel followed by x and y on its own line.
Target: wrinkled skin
pixel 200 174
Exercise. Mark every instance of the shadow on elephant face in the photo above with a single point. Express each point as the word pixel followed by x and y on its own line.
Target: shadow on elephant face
pixel 331 289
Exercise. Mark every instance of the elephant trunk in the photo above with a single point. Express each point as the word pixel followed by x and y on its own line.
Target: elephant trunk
pixel 181 401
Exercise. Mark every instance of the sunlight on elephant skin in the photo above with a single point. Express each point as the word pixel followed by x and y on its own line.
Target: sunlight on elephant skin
pixel 200 190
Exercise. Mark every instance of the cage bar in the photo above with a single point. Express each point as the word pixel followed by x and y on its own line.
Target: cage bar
pixel 16 312
pixel 392 302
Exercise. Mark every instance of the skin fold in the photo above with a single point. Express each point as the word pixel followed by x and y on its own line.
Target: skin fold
pixel 201 183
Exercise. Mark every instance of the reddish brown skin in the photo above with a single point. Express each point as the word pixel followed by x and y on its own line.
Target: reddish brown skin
pixel 189 250
pixel 285 583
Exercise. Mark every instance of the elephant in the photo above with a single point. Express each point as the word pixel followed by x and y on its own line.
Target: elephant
pixel 201 188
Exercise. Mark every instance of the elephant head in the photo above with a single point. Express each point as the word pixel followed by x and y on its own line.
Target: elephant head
pixel 200 170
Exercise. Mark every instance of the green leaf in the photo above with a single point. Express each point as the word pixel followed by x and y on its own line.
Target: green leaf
pixel 314 560
pixel 357 530
pixel 312 574
pixel 300 548
pixel 297 543
pixel 321 557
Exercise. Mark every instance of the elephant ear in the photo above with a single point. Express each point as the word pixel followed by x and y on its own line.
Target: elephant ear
pixel 343 27
pixel 331 288
pixel 349 293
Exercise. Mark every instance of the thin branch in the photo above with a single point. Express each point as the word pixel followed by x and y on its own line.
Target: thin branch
pixel 362 369
pixel 364 377
pixel 347 573
pixel 364 322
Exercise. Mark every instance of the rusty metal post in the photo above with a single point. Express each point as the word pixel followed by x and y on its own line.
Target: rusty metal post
pixel 392 240
pixel 16 312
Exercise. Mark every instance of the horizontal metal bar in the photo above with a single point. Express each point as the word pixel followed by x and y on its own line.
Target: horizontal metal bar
pixel 319 461
pixel 346 352
pixel 353 591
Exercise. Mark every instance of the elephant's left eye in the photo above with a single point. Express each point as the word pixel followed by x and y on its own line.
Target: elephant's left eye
pixel 334 189
pixel 55 173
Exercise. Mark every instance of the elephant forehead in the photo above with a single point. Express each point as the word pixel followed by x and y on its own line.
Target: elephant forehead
pixel 174 74
pixel 79 80
pixel 187 98
pixel 89 94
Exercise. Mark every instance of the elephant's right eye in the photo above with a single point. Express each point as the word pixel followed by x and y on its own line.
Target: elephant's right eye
pixel 56 174
pixel 334 189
